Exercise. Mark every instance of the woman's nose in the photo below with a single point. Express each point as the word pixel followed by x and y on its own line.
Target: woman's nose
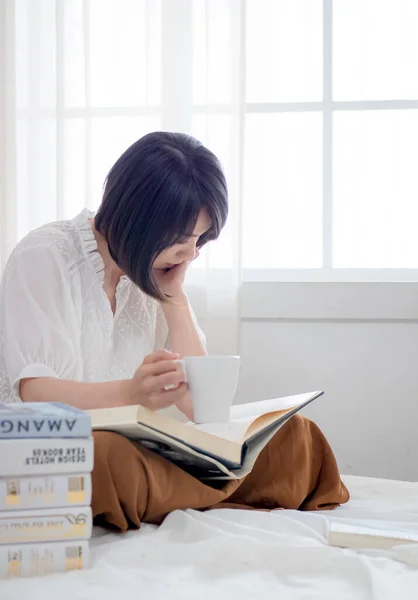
pixel 189 252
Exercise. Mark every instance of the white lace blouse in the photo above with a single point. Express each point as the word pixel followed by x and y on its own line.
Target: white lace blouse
pixel 56 320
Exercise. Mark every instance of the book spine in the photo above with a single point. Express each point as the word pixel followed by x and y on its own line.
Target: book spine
pixel 17 426
pixel 32 560
pixel 17 493
pixel 45 456
pixel 46 525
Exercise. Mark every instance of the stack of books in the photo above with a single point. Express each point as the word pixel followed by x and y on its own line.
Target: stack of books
pixel 46 459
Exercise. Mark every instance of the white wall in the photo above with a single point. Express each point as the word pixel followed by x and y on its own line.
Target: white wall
pixel 368 369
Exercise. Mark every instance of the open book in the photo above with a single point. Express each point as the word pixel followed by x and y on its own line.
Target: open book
pixel 209 451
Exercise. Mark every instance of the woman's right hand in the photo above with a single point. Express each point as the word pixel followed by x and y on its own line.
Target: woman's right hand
pixel 148 385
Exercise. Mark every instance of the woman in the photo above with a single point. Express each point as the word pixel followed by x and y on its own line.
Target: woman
pixel 93 313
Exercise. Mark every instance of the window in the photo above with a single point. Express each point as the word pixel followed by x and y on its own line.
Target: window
pixel 330 190
pixel 312 105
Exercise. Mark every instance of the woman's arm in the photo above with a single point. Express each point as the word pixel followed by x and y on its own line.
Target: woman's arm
pixel 146 387
pixel 183 335
pixel 76 393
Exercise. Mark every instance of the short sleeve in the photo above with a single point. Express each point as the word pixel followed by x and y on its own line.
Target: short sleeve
pixel 39 328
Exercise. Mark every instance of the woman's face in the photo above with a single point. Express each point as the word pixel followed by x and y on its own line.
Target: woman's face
pixel 186 250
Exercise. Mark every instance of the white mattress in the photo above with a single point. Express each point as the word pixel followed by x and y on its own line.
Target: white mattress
pixel 244 554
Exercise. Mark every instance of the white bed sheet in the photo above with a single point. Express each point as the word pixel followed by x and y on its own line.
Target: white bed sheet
pixel 244 554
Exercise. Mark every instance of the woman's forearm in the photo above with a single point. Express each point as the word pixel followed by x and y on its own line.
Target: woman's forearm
pixel 183 336
pixel 76 393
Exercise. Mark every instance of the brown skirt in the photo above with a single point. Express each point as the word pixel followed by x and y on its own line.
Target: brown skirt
pixel 297 470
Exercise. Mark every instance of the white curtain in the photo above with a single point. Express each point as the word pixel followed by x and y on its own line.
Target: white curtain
pixel 82 79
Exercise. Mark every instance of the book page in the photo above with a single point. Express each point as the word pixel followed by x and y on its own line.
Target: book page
pixel 233 431
pixel 247 413
pixel 237 431
pixel 249 419
pixel 256 446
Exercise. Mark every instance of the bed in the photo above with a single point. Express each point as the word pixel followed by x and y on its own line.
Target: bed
pixel 245 554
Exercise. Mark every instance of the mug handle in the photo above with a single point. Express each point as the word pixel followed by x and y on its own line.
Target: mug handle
pixel 181 362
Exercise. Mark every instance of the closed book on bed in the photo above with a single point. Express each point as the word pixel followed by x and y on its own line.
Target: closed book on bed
pixel 45 491
pixel 211 450
pixel 45 456
pixel 383 536
pixel 45 525
pixel 43 420
pixel 32 560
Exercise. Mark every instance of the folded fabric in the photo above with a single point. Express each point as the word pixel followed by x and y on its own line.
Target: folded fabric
pixel 296 470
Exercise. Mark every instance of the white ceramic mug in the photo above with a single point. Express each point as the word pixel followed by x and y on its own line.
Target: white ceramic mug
pixel 212 381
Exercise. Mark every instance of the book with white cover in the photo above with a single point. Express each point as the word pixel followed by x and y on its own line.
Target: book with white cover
pixel 45 525
pixel 45 491
pixel 33 560
pixel 379 536
pixel 42 419
pixel 45 456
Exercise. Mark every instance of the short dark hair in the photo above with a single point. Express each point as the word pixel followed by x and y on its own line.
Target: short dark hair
pixel 152 198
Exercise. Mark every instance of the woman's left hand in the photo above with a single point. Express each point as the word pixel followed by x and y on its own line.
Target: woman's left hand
pixel 170 282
